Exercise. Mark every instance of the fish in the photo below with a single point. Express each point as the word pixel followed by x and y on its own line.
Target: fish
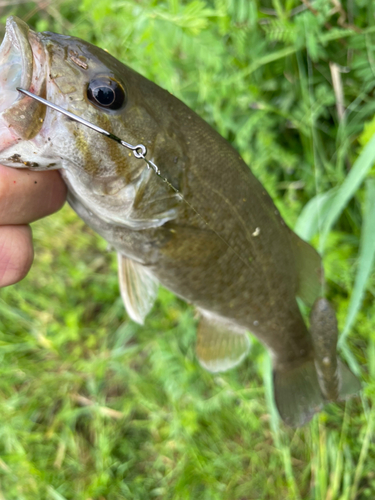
pixel 211 233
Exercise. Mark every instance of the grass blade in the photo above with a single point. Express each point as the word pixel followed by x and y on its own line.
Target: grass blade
pixel 352 182
pixel 283 448
pixel 337 473
pixel 268 384
pixel 314 212
pixel 366 258
pixel 350 359
pixel 363 455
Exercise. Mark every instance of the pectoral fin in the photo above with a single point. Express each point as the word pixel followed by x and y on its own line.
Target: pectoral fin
pixel 310 270
pixel 138 288
pixel 220 347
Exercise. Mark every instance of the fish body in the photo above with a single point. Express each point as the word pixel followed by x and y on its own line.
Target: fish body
pixel 216 239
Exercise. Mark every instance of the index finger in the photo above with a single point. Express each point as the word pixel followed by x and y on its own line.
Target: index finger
pixel 26 196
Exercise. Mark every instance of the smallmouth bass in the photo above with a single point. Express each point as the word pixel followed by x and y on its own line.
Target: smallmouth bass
pixel 222 245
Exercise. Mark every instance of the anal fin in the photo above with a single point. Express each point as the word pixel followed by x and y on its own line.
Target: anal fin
pixel 138 288
pixel 220 346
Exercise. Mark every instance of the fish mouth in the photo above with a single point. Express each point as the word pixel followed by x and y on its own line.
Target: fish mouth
pixel 22 64
pixel 16 62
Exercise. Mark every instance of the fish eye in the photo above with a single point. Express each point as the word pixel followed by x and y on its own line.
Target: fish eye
pixel 106 93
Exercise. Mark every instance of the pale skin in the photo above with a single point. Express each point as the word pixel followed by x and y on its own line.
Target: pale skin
pixel 25 197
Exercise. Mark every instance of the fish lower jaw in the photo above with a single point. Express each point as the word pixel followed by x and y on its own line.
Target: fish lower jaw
pixel 26 154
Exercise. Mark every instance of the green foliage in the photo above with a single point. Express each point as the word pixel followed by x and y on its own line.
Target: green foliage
pixel 93 406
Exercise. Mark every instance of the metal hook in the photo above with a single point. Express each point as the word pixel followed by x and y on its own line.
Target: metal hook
pixel 139 151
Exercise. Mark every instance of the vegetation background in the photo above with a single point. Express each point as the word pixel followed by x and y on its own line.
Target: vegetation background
pixel 93 406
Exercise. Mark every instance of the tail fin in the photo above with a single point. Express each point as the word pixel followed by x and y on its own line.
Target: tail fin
pixel 348 382
pixel 297 393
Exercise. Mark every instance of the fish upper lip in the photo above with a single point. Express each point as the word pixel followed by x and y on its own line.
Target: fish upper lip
pixel 21 117
pixel 17 36
pixel 15 49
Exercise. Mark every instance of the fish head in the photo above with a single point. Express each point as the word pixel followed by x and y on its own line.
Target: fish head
pixel 83 79
pixel 88 82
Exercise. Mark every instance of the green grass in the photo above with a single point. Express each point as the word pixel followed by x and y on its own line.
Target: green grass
pixel 93 406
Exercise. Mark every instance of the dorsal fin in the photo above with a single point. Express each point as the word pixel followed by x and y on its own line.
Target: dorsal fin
pixel 310 270
pixel 138 288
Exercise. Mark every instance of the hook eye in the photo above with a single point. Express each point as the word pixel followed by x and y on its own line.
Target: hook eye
pixel 139 151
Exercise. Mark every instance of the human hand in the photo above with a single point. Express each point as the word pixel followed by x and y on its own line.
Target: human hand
pixel 25 196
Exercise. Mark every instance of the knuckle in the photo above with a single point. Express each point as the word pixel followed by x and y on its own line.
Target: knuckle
pixel 58 193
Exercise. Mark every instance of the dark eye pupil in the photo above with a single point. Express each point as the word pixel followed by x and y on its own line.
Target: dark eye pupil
pixel 106 93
